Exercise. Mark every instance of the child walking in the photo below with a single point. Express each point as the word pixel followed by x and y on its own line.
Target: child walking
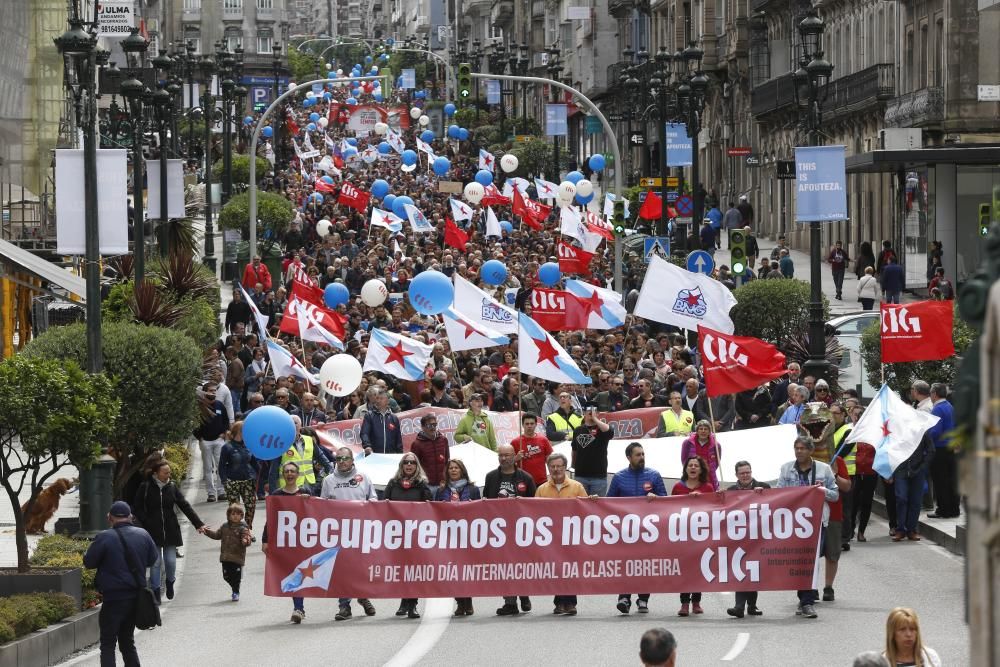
pixel 235 536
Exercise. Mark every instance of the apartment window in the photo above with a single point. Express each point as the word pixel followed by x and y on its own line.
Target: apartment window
pixel 234 40
pixel 196 43
pixel 232 5
pixel 909 73
pixel 264 43
pixel 265 4
pixel 939 52
pixel 192 4
pixel 924 48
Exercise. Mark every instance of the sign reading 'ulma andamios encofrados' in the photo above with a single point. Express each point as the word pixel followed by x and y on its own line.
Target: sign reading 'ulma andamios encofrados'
pixel 711 542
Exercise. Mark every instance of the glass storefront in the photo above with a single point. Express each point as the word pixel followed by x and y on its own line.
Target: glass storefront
pixel 976 188
pixel 919 228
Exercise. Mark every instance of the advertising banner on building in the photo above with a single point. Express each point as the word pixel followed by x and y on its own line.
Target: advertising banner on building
pixel 820 184
pixel 679 153
pixel 115 20
pixel 555 120
pixel 720 542
pixel 363 117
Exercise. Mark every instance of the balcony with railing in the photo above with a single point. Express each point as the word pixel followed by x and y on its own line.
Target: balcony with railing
pixel 860 91
pixel 920 108
pixel 191 14
pixel 268 14
pixel 232 12
pixel 620 9
pixel 502 11
pixel 773 95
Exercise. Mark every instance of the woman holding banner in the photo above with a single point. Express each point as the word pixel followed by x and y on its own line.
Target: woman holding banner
pixel 408 484
pixel 703 444
pixel 695 482
pixel 456 487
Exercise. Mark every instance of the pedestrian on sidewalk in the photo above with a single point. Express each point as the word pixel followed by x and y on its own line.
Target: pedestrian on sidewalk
pixel 865 258
pixel 786 264
pixel 838 259
pixel 776 250
pixel 885 256
pixel 868 290
pixel 893 280
pixel 732 219
pixel 753 249
pixel 235 537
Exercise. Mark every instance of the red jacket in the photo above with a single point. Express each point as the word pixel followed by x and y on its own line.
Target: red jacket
pixel 433 455
pixel 252 276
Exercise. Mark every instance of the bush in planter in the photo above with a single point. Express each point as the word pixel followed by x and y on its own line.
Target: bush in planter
pixel 773 310
pixel 61 551
pixel 23 614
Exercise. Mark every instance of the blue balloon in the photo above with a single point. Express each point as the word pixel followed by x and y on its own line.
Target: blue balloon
pixel 549 274
pixel 331 75
pixel 350 101
pixel 317 197
pixel 420 94
pixel 484 177
pixel 441 165
pixel 377 96
pixel 507 226
pixel 380 188
pixel 368 60
pixel 583 201
pixel 373 71
pixel 409 157
pixel 268 432
pixel 574 176
pixel 248 120
pixel 390 41
pixel 449 109
pixel 463 134
pixel 388 201
pixel 384 57
pixel 427 136
pixel 596 162
pixel 493 272
pixel 311 127
pixel 454 131
pixel 376 84
pixel 350 152
pixel 314 116
pixel 351 141
pixel 267 131
pixel 336 294
pixel 431 292
pixel 398 206
pixel 327 179
pixel 327 96
pixel 308 102
pixel 384 148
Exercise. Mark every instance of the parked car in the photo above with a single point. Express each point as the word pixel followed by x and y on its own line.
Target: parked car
pixel 848 329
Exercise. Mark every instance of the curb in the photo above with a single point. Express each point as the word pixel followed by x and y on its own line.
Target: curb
pixel 953 543
pixel 53 644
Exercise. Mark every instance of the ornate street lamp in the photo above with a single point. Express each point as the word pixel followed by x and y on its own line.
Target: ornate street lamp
pixel 555 69
pixel 134 92
pixel 207 67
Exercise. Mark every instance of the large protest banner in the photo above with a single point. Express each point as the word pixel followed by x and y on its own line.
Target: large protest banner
pixel 712 542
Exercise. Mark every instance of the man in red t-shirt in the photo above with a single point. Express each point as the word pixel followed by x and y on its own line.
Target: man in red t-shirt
pixel 832 537
pixel 532 450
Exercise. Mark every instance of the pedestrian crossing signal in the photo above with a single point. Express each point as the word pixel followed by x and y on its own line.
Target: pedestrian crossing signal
pixel 464 81
pixel 985 214
pixel 738 250
pixel 618 216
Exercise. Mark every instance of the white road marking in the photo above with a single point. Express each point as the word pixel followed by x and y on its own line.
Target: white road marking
pixel 742 639
pixel 436 616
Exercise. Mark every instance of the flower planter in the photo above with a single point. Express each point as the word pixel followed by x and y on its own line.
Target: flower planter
pixel 40 580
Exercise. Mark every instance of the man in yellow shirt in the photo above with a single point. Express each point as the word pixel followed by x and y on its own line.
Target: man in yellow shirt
pixel 676 420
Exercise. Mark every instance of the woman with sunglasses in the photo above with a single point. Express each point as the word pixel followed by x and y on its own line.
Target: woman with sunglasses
pixel 456 487
pixel 408 484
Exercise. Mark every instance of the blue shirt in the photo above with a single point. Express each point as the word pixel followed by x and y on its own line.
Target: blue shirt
pixel 792 414
pixel 629 483
pixel 940 432
pixel 715 215
pixel 893 279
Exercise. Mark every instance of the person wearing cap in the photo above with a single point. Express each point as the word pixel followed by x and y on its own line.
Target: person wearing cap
pixel 707 235
pixel 115 581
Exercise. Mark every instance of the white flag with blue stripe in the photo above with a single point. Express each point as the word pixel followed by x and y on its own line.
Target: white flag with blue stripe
pixel 608 311
pixel 314 572
pixel 540 355
pixel 418 220
pixel 396 355
pixel 893 428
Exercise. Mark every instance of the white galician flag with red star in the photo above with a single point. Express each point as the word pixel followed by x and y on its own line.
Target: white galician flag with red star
pixel 603 306
pixel 466 334
pixel 540 356
pixel 460 210
pixel 285 365
pixel 546 189
pixel 893 428
pixel 397 355
pixel 486 160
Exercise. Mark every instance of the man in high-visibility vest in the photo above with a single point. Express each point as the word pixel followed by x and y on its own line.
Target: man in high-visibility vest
pixel 559 425
pixel 841 427
pixel 307 454
pixel 676 420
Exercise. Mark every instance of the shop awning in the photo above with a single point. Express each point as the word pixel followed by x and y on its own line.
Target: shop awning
pixel 44 269
pixel 884 161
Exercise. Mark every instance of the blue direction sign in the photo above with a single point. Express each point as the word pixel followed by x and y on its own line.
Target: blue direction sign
pixel 642 195
pixel 672 196
pixel 699 261
pixel 684 205
pixel 656 245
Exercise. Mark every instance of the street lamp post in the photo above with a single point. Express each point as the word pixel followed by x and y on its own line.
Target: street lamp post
pixel 691 99
pixel 279 126
pixel 555 69
pixel 660 87
pixel 162 102
pixel 477 64
pixel 810 85
pixel 207 67
pixel 190 64
pixel 135 91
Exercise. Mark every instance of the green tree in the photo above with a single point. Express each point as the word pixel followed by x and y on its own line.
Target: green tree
pixel 900 375
pixel 302 65
pixel 52 414
pixel 773 310
pixel 241 169
pixel 156 371
pixel 274 214
pixel 534 157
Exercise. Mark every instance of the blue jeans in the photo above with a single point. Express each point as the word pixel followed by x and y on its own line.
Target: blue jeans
pixel 596 486
pixel 117 623
pixel 892 297
pixel 909 499
pixel 167 559
pixel 299 603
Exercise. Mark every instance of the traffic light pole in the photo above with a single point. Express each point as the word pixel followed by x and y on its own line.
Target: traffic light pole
pixel 608 131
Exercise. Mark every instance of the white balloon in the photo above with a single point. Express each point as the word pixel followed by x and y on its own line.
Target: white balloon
pixel 323 228
pixel 340 72
pixel 291 85
pixel 567 190
pixel 424 121
pixel 508 163
pixel 323 121
pixel 584 188
pixel 416 112
pixel 310 95
pixel 329 66
pixel 474 192
pixel 381 128
pixel 340 375
pixel 374 293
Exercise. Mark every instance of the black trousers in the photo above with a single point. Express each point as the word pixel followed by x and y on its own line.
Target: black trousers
pixel 746 599
pixel 117 623
pixel 944 477
pixel 862 496
pixel 233 574
pixel 690 597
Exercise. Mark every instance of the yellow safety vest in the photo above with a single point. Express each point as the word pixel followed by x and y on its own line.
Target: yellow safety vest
pixel 307 474
pixel 849 459
pixel 674 424
pixel 565 426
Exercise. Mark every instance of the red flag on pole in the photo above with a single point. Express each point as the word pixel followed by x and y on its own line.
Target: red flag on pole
pixel 573 259
pixel 652 208
pixel 919 331
pixel 532 213
pixel 353 197
pixel 454 236
pixel 734 363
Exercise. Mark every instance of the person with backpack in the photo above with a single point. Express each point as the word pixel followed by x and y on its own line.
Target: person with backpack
pixel 942 284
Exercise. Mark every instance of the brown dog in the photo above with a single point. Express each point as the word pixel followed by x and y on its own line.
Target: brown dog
pixel 46 505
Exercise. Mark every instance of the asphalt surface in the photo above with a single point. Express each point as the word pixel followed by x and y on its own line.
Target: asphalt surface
pixel 202 626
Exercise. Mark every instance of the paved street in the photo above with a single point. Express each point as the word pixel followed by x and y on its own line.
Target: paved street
pixel 202 626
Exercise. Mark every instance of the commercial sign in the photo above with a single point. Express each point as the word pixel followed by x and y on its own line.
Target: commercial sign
pixel 738 151
pixel 679 153
pixel 492 91
pixel 656 181
pixel 636 139
pixel 555 120
pixel 115 20
pixel 752 160
pixel 786 169
pixel 764 541
pixel 820 184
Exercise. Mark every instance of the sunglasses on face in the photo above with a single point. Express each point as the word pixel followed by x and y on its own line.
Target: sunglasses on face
pixel 344 458
pixel 409 463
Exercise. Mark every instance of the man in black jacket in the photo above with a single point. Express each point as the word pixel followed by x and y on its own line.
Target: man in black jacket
pixel 509 481
pixel 746 482
pixel 116 582
pixel 211 436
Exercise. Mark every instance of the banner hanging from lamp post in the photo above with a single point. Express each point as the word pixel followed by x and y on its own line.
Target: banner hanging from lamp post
pixel 679 153
pixel 492 91
pixel 820 184
pixel 409 79
pixel 555 120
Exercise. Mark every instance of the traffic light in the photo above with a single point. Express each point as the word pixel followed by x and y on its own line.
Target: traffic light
pixel 985 212
pixel 738 251
pixel 618 216
pixel 464 82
